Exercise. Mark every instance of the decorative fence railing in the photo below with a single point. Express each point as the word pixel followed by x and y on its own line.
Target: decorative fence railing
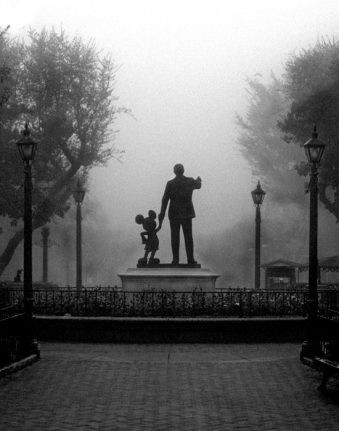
pixel 11 330
pixel 230 303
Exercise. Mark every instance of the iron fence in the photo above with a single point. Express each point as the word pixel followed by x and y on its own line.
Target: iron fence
pixel 228 303
pixel 110 302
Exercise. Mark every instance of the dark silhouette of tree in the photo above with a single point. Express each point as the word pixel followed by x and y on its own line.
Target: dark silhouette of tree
pixel 261 141
pixel 64 88
pixel 6 59
pixel 280 119
pixel 312 84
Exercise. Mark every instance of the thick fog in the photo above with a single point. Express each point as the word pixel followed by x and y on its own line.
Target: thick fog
pixel 182 73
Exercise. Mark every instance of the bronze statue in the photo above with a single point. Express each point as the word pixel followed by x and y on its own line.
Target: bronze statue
pixel 179 192
pixel 149 237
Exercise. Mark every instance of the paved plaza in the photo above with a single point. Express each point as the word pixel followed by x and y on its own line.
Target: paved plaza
pixel 167 387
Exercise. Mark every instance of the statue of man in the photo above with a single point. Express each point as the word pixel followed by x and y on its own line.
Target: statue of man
pixel 179 192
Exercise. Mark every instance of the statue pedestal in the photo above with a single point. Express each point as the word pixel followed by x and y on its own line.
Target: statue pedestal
pixel 178 278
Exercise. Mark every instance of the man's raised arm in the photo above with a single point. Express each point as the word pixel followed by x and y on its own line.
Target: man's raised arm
pixel 197 183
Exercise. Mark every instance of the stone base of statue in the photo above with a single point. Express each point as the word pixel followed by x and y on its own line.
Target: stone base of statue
pixel 177 278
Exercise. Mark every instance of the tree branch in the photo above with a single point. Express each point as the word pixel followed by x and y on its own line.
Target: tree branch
pixel 332 207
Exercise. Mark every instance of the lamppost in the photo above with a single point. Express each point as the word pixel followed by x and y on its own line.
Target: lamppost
pixel 79 194
pixel 27 147
pixel 314 150
pixel 45 235
pixel 258 195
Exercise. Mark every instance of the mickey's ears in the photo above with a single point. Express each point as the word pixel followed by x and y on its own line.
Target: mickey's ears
pixel 139 219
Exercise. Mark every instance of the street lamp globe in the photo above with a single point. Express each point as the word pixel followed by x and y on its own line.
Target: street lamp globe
pixel 314 148
pixel 79 193
pixel 26 145
pixel 258 195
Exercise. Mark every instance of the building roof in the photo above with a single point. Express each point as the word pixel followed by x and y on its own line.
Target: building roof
pixel 281 262
pixel 331 262
pixel 325 263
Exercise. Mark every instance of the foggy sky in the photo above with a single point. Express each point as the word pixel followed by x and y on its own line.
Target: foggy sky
pixel 182 72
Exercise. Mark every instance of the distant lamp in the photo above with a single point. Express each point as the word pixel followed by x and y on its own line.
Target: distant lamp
pixel 79 193
pixel 314 148
pixel 258 195
pixel 26 145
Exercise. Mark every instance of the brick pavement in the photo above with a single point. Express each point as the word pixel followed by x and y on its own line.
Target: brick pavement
pixel 167 387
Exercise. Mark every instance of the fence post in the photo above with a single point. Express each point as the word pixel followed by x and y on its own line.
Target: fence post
pixel 283 304
pixel 240 305
pixel 162 303
pixel 85 301
pixel 249 303
pixel 61 302
pixel 152 303
pixel 124 302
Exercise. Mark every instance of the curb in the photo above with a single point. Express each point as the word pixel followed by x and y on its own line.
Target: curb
pixel 169 330
pixel 16 366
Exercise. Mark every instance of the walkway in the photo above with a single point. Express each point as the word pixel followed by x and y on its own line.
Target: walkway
pixel 167 387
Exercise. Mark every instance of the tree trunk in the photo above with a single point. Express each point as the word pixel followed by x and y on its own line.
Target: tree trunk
pixel 58 195
pixel 7 255
pixel 13 243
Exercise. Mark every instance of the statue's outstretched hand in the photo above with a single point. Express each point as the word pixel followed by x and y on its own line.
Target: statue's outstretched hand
pixel 161 219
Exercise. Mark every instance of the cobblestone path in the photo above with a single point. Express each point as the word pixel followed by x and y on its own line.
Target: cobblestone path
pixel 167 387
